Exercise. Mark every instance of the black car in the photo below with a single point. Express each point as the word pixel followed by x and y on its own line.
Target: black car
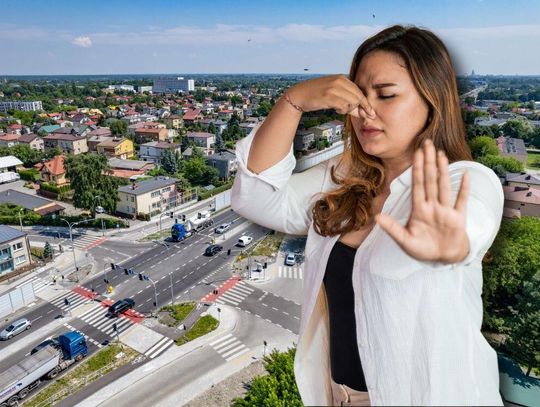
pixel 53 342
pixel 213 249
pixel 120 306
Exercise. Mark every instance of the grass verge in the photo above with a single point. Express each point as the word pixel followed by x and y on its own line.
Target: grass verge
pixel 178 312
pixel 203 326
pixel 104 361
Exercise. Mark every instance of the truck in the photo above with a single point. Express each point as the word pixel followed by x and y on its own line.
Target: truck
pixel 183 230
pixel 47 363
pixel 9 176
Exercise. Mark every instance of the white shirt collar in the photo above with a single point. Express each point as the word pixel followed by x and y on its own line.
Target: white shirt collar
pixel 402 182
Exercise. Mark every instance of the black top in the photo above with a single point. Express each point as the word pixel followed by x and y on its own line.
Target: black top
pixel 344 357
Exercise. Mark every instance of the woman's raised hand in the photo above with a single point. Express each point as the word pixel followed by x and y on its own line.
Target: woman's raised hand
pixel 436 229
pixel 331 92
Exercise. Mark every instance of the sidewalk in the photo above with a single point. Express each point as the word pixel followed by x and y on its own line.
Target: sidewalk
pixel 148 371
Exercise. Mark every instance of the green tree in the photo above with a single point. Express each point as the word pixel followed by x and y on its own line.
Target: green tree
pixel 523 343
pixel 514 257
pixel 90 176
pixel 119 128
pixel 197 172
pixel 483 145
pixel 48 251
pixel 277 388
pixel 264 108
pixel 518 128
pixel 169 162
pixel 501 165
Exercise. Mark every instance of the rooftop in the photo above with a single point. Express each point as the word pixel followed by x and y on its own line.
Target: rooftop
pixel 143 187
pixel 8 233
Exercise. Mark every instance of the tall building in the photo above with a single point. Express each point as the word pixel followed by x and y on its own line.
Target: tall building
pixel 19 105
pixel 173 85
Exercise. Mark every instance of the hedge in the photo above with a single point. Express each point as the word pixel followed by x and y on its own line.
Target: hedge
pixel 53 187
pixel 207 194
pixel 29 175
pixel 32 218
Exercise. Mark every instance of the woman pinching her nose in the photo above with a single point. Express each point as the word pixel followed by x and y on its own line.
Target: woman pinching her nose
pixel 398 218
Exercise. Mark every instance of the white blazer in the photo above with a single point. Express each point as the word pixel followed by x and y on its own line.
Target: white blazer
pixel 417 322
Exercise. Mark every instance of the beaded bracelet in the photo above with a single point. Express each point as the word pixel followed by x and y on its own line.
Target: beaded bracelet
pixel 286 95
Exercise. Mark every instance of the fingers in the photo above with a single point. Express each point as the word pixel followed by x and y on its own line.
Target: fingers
pixel 418 192
pixel 354 100
pixel 445 191
pixel 430 171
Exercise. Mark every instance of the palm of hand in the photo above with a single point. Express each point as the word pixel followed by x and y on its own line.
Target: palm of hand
pixel 436 230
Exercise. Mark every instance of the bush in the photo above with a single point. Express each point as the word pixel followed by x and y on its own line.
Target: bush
pixel 207 194
pixel 278 387
pixel 48 186
pixel 29 175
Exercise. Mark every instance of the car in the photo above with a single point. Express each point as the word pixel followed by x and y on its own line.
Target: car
pixel 290 260
pixel 120 306
pixel 15 328
pixel 222 228
pixel 213 249
pixel 244 241
pixel 49 342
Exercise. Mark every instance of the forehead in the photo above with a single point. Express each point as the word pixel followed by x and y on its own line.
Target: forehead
pixel 382 66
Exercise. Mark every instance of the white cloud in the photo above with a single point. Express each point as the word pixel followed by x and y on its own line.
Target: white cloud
pixel 84 42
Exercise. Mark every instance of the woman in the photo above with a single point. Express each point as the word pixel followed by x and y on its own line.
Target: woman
pixel 392 305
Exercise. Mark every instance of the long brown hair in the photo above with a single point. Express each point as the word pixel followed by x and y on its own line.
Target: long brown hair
pixel 430 67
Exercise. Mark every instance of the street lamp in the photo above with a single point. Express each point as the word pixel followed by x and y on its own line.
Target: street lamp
pixel 20 219
pixel 70 225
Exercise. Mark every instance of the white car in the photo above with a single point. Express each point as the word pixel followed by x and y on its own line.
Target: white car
pixel 244 241
pixel 222 228
pixel 290 260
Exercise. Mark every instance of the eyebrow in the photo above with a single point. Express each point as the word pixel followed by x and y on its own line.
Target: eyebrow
pixel 380 85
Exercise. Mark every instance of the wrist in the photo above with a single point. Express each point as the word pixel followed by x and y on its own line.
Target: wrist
pixel 293 101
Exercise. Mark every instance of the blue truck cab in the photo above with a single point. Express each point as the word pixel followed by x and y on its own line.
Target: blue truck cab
pixel 73 345
pixel 179 232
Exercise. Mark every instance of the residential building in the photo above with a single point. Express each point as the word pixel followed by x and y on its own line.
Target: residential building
pixel 323 132
pixel 173 122
pixel 67 143
pixel 30 203
pixel 151 132
pixel 192 116
pixel 117 147
pixel 337 129
pixel 512 147
pixel 33 140
pixel 155 150
pixel 19 105
pixel 14 249
pixel 225 162
pixel 9 140
pixel 147 197
pixel 173 85
pixel 10 163
pixel 204 140
pixel 523 180
pixel 304 140
pixel 129 168
pixel 219 125
pixel 124 88
pixel 521 201
pixel 53 171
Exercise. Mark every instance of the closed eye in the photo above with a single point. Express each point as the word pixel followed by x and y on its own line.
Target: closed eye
pixel 386 97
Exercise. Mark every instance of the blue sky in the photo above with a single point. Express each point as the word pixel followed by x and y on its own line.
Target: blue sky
pixel 67 37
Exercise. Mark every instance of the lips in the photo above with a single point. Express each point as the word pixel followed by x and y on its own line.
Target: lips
pixel 370 131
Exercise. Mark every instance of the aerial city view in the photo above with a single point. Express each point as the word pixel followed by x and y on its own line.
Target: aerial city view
pixel 128 276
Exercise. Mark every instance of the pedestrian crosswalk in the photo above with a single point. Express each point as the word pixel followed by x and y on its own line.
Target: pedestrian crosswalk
pixel 290 272
pixel 73 301
pixel 229 347
pixel 37 283
pixel 97 317
pixel 159 347
pixel 235 295
pixel 85 242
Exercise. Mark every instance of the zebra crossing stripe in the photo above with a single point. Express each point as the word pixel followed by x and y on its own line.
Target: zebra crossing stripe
pixel 228 359
pixel 233 350
pixel 86 313
pixel 241 290
pixel 158 347
pixel 244 286
pixel 229 301
pixel 234 296
pixel 220 339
